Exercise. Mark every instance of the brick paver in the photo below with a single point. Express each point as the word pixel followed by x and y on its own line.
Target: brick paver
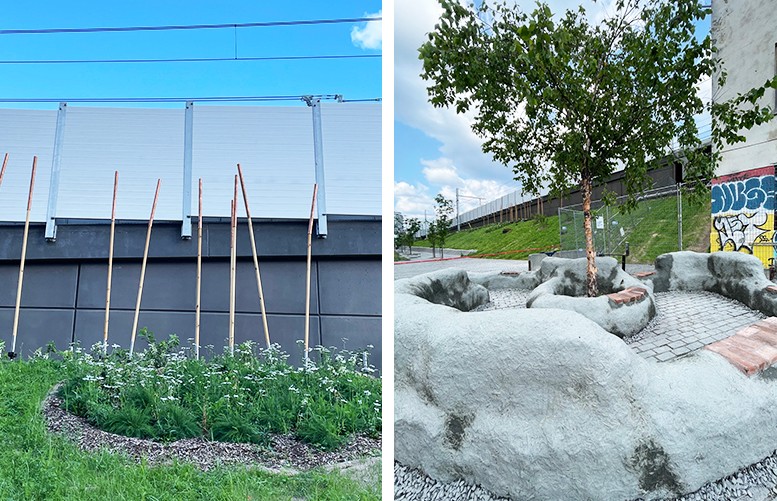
pixel 752 348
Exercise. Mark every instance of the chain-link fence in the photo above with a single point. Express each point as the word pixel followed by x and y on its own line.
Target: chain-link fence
pixel 663 221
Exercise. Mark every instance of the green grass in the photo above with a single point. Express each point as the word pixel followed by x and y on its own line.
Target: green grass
pixel 518 240
pixel 655 234
pixel 37 466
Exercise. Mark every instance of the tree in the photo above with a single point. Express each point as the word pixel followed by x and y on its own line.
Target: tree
pixel 441 227
pixel 411 229
pixel 565 102
pixel 399 230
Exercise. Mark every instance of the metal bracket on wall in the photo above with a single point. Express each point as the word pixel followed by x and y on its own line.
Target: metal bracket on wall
pixel 51 209
pixel 186 209
pixel 318 150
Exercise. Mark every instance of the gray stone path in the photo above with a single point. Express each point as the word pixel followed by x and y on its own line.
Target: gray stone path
pixel 688 321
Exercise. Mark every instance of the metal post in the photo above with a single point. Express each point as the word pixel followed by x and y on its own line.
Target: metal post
pixel 186 209
pixel 679 218
pixel 458 214
pixel 318 149
pixel 51 210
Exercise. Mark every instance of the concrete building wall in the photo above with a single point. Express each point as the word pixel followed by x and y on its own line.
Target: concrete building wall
pixel 63 296
pixel 745 36
pixel 743 195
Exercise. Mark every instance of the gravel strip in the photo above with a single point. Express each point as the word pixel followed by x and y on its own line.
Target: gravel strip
pixel 501 299
pixel 411 484
pixel 757 482
pixel 284 454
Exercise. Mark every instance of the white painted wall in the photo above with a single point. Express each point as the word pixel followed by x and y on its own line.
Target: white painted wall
pixel 273 144
pixel 24 134
pixel 745 33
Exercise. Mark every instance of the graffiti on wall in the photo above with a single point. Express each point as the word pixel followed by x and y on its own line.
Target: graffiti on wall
pixel 743 213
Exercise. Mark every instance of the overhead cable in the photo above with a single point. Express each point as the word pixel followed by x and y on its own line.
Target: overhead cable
pixel 306 22
pixel 189 60
pixel 164 99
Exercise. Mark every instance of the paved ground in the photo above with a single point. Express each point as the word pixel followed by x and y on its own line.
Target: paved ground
pixel 688 321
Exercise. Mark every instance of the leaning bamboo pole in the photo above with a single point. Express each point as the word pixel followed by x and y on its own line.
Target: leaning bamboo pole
pixel 110 263
pixel 307 275
pixel 12 353
pixel 199 278
pixel 256 258
pixel 143 269
pixel 232 261
pixel 2 171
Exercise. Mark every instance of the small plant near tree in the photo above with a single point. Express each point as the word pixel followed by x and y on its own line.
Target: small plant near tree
pixel 440 228
pixel 565 102
pixel 162 394
pixel 412 227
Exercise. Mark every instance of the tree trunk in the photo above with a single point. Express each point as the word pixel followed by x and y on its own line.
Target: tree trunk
pixel 590 253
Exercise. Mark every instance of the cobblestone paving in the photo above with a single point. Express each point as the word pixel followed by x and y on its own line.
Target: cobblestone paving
pixel 688 321
pixel 685 321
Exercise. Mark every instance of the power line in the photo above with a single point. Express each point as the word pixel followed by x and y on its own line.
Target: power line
pixel 165 99
pixel 190 60
pixel 188 27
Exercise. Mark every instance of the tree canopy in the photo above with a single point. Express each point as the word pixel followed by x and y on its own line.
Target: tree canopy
pixel 565 102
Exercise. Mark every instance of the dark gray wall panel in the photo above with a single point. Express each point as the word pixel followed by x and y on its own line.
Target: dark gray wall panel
pixel 167 286
pixel 90 323
pixel 283 285
pixel 275 240
pixel 358 331
pixel 285 330
pixel 45 285
pixel 350 287
pixel 37 327
pixel 64 287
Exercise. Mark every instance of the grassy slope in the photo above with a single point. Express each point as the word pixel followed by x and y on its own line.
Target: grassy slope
pixel 654 235
pixel 35 465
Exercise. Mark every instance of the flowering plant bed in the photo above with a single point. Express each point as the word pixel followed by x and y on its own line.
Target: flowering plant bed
pixel 164 395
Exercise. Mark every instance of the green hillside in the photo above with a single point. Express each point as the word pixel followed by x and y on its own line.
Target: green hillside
pixel 653 227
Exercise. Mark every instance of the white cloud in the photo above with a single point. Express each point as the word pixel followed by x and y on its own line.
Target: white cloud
pixel 443 177
pixel 370 34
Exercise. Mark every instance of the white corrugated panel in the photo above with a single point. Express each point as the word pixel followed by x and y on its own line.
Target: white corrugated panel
pixel 24 134
pixel 274 147
pixel 142 144
pixel 352 157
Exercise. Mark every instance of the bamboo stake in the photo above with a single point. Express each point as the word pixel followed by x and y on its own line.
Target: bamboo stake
pixel 110 263
pixel 232 260
pixel 143 269
pixel 12 353
pixel 2 171
pixel 199 279
pixel 256 258
pixel 307 276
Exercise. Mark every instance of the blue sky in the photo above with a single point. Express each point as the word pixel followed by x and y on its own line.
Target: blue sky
pixel 435 150
pixel 354 78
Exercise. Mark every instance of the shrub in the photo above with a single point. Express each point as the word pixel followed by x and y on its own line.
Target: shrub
pixel 164 395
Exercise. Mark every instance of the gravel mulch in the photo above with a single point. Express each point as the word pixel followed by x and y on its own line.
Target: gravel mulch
pixel 285 453
pixel 757 482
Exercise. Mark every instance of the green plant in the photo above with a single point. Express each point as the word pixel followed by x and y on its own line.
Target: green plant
pixel 129 421
pixel 162 394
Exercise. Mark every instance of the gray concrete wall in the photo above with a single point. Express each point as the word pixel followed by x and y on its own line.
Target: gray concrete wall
pixel 63 297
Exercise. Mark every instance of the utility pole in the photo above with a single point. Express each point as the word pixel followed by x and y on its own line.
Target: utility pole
pixel 458 217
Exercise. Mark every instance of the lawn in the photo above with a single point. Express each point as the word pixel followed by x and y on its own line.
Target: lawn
pixel 654 233
pixel 37 465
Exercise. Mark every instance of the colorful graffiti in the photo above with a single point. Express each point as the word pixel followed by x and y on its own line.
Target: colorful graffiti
pixel 743 207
